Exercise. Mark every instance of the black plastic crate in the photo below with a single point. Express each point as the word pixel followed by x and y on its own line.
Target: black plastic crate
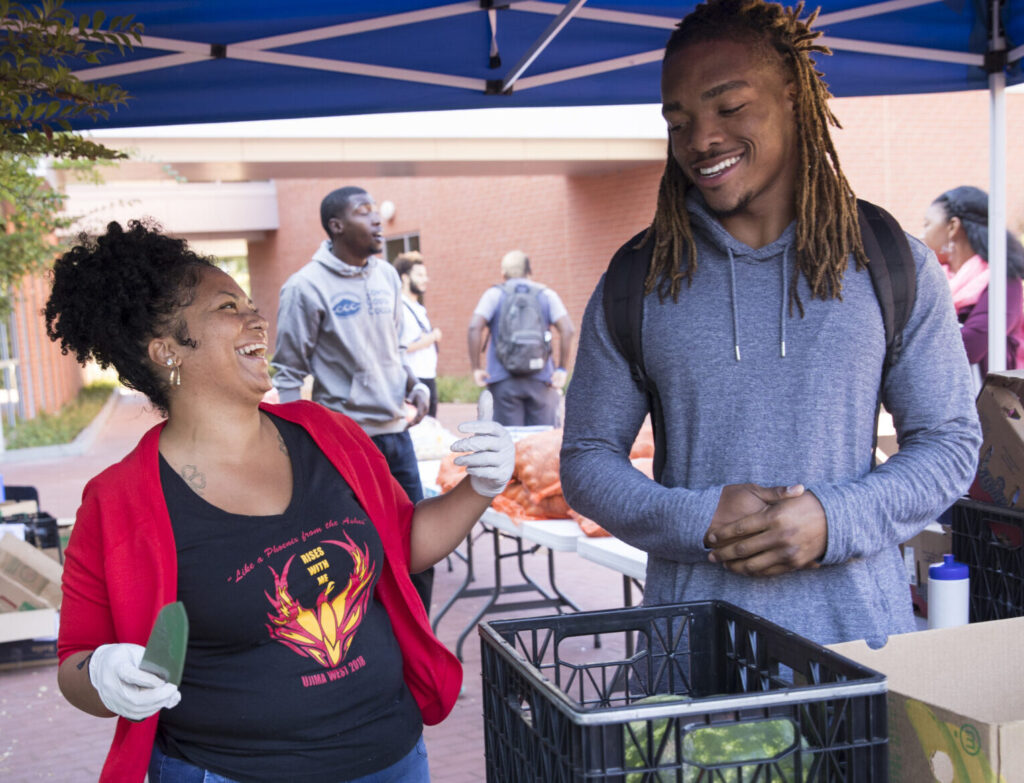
pixel 557 710
pixel 989 538
pixel 41 529
pixel 26 652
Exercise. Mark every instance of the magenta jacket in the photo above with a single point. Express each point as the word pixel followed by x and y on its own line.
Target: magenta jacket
pixel 974 327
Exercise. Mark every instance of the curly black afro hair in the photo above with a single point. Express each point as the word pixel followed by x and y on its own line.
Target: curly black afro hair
pixel 113 294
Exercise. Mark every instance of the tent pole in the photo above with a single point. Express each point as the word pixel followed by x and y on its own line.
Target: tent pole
pixel 997 315
pixel 568 12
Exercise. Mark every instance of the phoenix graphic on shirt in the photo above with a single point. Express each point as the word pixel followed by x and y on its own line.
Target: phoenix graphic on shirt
pixel 324 632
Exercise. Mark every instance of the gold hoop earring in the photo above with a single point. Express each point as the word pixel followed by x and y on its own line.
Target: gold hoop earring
pixel 175 375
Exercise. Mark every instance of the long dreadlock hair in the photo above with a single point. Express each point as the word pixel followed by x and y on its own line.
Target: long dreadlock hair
pixel 827 230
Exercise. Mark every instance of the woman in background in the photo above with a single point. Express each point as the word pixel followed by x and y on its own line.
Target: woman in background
pixel 279 527
pixel 956 228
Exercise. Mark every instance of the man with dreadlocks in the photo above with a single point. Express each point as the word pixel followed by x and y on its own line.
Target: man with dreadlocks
pixel 763 335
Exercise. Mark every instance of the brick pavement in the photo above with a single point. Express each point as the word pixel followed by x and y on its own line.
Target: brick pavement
pixel 44 738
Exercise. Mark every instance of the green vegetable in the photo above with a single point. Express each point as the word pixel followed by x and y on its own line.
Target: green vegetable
pixel 708 746
pixel 168 643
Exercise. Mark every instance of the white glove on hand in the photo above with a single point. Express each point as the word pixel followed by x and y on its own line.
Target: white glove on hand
pixel 493 456
pixel 123 687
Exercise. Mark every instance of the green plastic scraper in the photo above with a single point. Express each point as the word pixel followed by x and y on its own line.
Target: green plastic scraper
pixel 165 650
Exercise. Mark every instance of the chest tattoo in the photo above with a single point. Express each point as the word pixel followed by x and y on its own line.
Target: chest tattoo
pixel 195 479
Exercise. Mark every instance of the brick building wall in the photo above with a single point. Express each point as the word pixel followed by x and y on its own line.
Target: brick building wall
pixel 568 226
pixel 465 224
pixel 900 152
pixel 903 151
pixel 47 379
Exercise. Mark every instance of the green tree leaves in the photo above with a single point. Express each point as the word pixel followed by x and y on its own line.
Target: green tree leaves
pixel 39 94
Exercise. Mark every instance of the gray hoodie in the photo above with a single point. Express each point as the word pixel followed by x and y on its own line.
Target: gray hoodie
pixel 340 323
pixel 753 394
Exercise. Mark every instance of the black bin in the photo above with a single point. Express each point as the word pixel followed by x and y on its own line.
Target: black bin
pixel 988 539
pixel 709 686
pixel 41 529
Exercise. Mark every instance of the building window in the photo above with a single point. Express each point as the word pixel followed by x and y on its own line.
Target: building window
pixel 395 246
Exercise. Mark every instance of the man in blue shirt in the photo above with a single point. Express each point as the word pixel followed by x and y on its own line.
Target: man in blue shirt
pixel 520 398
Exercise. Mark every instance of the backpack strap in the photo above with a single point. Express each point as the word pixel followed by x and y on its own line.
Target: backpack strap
pixel 502 295
pixel 894 277
pixel 419 323
pixel 623 302
pixel 538 290
pixel 893 274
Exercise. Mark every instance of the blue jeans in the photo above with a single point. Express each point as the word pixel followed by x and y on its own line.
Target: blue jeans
pixel 413 768
pixel 401 458
pixel 398 451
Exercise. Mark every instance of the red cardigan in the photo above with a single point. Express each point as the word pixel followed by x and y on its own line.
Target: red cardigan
pixel 120 568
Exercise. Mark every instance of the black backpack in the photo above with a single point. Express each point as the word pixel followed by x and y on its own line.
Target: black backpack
pixel 893 275
pixel 522 341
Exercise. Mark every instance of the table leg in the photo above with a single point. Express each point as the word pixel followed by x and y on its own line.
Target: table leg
pixel 492 597
pixel 562 597
pixel 566 600
pixel 461 590
pixel 499 589
pixel 627 597
pixel 526 577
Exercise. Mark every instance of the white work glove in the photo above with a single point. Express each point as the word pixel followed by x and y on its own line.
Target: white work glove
pixel 493 454
pixel 123 687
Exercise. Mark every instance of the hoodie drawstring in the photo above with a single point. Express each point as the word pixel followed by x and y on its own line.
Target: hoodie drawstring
pixel 735 305
pixel 735 310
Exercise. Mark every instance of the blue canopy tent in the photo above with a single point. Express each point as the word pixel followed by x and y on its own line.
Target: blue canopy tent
pixel 263 59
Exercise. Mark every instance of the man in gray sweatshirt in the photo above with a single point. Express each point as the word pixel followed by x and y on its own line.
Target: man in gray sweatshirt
pixel 763 334
pixel 338 320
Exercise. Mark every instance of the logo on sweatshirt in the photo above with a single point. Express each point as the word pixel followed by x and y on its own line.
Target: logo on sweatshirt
pixel 380 301
pixel 346 307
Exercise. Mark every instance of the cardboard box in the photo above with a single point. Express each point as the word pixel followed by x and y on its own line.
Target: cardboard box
pixel 36 624
pixel 1000 476
pixel 955 702
pixel 17 508
pixel 15 598
pixel 921 551
pixel 33 570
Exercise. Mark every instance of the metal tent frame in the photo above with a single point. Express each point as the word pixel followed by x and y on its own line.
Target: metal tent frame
pixel 262 59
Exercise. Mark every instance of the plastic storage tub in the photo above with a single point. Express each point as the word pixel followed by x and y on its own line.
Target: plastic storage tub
pixel 988 538
pixel 735 699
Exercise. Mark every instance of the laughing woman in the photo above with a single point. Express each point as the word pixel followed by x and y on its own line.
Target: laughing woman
pixel 280 528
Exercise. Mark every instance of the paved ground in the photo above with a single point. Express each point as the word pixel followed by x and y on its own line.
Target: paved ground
pixel 44 738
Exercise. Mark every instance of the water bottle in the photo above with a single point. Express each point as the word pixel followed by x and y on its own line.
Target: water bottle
pixel 948 593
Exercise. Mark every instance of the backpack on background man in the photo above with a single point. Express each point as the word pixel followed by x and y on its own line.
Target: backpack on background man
pixel 522 339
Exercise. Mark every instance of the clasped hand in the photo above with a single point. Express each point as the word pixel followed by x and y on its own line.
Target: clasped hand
pixel 767 531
